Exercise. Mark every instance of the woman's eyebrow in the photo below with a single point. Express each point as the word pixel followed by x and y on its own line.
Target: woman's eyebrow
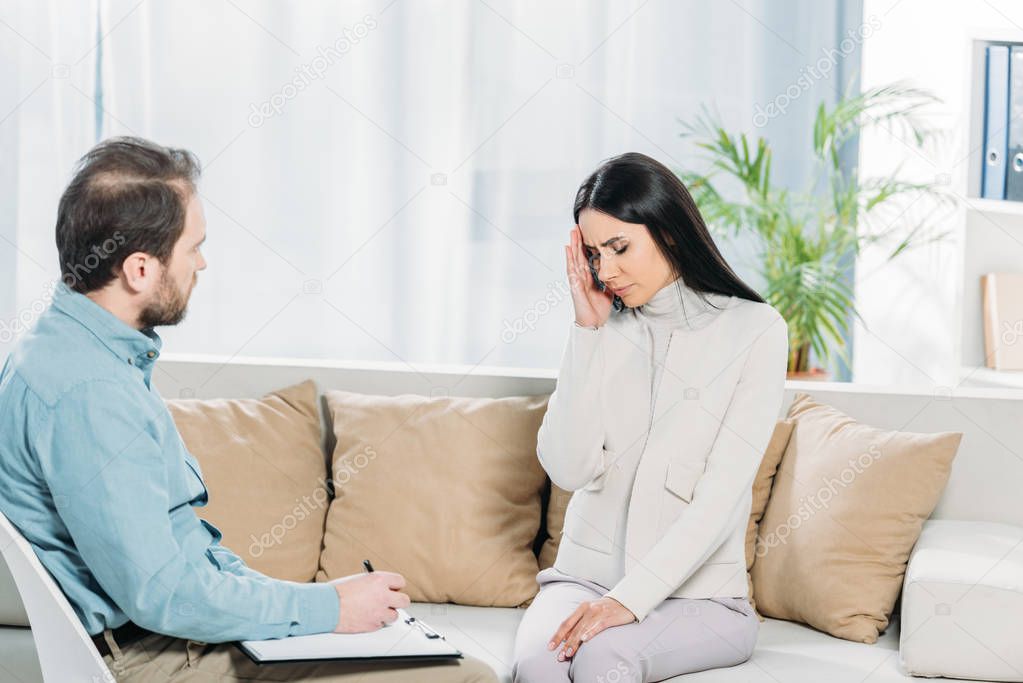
pixel 608 243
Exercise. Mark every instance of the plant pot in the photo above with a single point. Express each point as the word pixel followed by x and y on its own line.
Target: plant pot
pixel 811 375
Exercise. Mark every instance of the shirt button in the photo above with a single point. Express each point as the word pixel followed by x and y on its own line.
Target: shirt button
pixel 151 354
pixel 131 361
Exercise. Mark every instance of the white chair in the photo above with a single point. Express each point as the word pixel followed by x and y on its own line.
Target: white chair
pixel 66 652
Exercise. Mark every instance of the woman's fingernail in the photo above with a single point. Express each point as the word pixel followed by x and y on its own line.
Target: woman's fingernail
pixel 550 645
pixel 568 652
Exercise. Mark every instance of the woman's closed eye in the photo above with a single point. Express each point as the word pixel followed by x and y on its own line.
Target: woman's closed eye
pixel 593 255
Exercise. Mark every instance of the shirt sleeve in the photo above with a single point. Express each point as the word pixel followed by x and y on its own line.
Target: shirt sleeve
pixel 103 463
pixel 731 467
pixel 227 559
pixel 570 442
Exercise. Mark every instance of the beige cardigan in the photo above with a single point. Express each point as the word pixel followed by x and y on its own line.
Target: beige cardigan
pixel 663 512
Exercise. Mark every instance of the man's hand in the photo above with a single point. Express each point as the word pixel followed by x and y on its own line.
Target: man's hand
pixel 588 619
pixel 369 601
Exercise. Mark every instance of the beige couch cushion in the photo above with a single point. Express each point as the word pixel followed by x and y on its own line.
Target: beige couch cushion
pixel 445 491
pixel 266 472
pixel 762 492
pixel 847 505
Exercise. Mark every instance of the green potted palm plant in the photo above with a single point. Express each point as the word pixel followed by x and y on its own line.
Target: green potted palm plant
pixel 807 242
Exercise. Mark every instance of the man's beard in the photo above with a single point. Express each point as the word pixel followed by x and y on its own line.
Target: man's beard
pixel 170 305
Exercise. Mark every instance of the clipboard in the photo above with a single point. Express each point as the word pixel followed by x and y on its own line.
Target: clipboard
pixel 405 639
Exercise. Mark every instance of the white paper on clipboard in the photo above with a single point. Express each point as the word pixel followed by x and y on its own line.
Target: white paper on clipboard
pixel 406 637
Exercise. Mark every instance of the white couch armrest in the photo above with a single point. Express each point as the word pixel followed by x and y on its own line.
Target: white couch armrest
pixel 962 602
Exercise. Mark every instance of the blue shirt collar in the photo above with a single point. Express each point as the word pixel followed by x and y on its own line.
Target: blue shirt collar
pixel 136 347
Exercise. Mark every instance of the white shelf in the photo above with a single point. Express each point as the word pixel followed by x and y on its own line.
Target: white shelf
pixel 992 229
pixel 986 377
pixel 1003 207
pixel 997 34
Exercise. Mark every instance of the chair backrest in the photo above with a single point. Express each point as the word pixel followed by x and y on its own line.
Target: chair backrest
pixel 66 652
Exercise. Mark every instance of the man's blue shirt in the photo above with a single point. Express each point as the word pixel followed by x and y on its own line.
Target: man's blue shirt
pixel 94 474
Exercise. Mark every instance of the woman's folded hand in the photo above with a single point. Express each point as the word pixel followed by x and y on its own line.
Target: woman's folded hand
pixel 588 619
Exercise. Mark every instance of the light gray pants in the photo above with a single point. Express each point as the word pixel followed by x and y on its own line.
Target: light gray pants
pixel 679 636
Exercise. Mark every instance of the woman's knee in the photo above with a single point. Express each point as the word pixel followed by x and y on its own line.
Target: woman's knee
pixel 606 664
pixel 539 667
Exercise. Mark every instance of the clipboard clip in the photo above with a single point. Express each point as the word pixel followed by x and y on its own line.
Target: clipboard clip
pixel 427 631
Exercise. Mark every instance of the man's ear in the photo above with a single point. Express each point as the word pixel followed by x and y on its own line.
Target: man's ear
pixel 139 271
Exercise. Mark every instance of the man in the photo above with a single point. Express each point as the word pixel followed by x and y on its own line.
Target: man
pixel 96 477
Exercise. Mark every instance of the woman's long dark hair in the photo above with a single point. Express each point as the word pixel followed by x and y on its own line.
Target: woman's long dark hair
pixel 634 188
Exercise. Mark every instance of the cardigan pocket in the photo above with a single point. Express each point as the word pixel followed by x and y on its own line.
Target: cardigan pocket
pixel 590 519
pixel 597 483
pixel 682 477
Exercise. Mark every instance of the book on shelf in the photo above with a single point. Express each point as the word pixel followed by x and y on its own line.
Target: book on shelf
pixel 1003 320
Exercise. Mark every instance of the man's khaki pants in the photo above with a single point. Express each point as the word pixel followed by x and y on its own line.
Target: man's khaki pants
pixel 163 659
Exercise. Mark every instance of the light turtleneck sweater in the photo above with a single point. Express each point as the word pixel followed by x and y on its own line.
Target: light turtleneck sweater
pixel 674 306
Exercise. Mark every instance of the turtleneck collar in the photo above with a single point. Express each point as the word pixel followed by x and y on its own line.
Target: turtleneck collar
pixel 667 308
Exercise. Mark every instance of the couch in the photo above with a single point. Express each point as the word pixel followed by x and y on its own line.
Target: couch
pixel 985 486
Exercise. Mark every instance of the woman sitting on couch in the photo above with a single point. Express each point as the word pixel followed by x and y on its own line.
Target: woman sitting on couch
pixel 668 392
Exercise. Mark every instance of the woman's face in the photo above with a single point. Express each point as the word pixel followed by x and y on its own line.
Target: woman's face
pixel 625 257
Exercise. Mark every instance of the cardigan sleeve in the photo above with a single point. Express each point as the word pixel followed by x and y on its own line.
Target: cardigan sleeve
pixel 570 443
pixel 731 467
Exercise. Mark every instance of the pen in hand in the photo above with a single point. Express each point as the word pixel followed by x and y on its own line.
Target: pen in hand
pixel 411 621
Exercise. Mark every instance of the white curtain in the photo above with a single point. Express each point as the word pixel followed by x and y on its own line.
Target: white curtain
pixel 393 180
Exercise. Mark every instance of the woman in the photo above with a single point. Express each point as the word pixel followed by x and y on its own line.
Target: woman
pixel 667 396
